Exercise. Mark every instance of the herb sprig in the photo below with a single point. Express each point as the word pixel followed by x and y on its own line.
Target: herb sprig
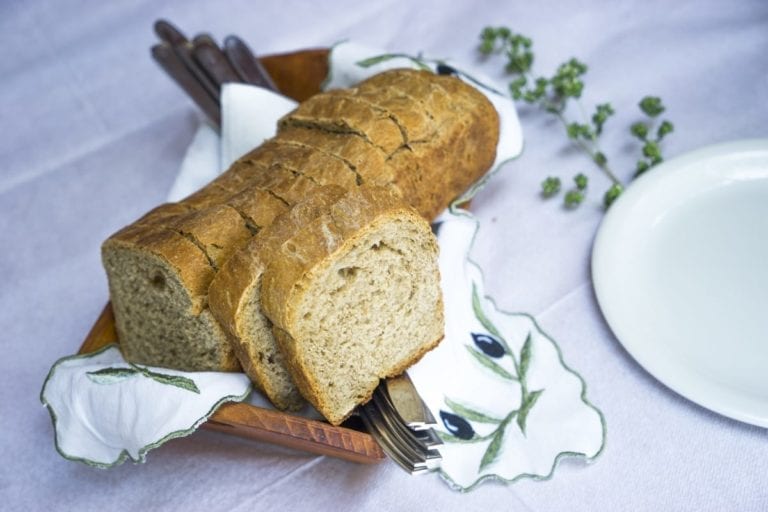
pixel 556 93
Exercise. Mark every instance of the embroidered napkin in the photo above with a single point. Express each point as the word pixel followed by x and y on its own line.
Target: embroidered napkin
pixel 105 410
pixel 516 410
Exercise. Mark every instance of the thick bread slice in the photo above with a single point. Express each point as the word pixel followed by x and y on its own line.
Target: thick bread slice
pixel 235 300
pixel 354 297
pixel 171 325
pixel 340 112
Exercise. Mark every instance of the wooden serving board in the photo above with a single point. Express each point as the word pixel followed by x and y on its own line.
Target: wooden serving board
pixel 299 76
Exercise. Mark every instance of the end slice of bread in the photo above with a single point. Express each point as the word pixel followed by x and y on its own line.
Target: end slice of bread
pixel 354 297
pixel 171 326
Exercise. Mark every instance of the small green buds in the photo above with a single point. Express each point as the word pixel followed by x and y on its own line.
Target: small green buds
pixel 550 186
pixel 573 198
pixel 651 106
pixel 581 181
pixel 612 194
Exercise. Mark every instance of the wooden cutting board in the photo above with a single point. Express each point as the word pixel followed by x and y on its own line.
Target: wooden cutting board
pixel 298 75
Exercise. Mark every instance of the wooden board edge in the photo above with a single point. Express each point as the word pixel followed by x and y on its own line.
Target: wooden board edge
pixel 252 422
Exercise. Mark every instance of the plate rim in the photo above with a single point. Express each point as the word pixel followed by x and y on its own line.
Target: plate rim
pixel 622 209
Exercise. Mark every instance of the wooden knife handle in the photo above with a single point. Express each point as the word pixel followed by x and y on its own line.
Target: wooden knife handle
pixel 248 67
pixel 213 61
pixel 169 59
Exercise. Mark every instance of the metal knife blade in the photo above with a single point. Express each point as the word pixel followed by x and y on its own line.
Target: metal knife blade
pixel 408 404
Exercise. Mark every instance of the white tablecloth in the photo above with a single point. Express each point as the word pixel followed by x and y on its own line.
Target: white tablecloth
pixel 93 133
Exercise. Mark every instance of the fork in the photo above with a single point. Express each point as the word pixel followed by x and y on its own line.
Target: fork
pixel 403 430
pixel 396 416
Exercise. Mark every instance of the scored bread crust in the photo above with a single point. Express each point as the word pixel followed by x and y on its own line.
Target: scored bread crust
pixel 447 141
pixel 179 265
pixel 217 231
pixel 343 113
pixel 257 206
pixel 411 118
pixel 368 161
pixel 319 167
pixel 311 251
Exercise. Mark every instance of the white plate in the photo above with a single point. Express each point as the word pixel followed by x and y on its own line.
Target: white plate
pixel 680 269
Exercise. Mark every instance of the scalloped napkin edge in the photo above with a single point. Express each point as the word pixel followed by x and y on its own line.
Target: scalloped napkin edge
pixel 100 418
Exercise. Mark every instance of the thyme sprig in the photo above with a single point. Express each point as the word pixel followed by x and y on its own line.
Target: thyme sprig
pixel 555 94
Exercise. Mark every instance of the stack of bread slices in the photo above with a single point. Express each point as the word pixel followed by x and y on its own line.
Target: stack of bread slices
pixel 310 263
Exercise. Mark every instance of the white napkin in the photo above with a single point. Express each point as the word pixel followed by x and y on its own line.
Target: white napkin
pixel 105 410
pixel 497 354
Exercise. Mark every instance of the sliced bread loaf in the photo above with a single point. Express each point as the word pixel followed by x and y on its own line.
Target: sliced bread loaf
pixel 449 141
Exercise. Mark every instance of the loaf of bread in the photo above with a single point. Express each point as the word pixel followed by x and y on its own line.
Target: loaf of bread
pixel 422 138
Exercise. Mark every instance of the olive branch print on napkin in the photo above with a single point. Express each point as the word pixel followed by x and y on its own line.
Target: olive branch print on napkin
pixel 487 348
pixel 113 375
pixel 509 405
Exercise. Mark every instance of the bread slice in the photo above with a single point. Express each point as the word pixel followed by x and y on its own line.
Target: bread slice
pixel 171 325
pixel 354 297
pixel 257 206
pixel 235 298
pixel 218 231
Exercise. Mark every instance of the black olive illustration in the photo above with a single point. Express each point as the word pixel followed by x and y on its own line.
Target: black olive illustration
pixel 445 69
pixel 488 344
pixel 457 425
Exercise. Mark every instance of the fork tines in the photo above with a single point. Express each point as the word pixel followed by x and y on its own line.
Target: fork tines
pixel 413 449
